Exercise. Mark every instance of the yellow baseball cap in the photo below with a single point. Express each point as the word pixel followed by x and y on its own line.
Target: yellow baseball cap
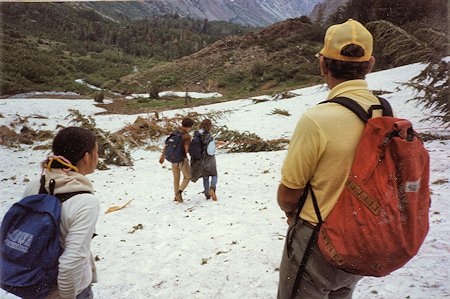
pixel 340 35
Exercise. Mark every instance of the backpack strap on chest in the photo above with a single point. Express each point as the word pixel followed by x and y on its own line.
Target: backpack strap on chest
pixel 359 111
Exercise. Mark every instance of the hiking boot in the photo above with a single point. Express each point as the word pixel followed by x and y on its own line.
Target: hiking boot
pixel 207 195
pixel 212 191
pixel 179 196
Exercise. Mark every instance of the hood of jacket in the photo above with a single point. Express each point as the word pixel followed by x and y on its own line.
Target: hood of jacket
pixel 67 182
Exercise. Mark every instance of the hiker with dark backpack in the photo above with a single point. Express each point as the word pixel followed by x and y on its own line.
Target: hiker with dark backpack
pixel 46 237
pixel 175 151
pixel 203 160
pixel 354 183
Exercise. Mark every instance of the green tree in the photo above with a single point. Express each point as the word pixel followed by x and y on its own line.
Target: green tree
pixel 99 97
pixel 433 89
pixel 427 46
pixel 154 90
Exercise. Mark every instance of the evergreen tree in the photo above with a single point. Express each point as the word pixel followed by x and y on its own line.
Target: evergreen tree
pixel 427 46
pixel 433 89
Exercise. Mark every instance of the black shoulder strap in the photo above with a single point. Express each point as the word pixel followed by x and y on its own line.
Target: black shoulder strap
pixel 65 196
pixel 359 111
pixel 387 109
pixel 42 187
pixel 51 185
pixel 312 239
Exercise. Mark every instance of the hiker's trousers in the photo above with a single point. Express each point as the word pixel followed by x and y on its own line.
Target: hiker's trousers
pixel 320 280
pixel 85 294
pixel 177 169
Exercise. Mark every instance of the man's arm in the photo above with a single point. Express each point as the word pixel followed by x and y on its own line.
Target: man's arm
pixel 187 141
pixel 186 149
pixel 288 200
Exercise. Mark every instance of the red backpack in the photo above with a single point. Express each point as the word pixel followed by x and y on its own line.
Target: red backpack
pixel 381 217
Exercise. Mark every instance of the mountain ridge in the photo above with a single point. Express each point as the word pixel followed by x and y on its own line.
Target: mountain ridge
pixel 257 13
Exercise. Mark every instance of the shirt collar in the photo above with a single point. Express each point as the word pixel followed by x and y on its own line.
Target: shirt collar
pixel 347 86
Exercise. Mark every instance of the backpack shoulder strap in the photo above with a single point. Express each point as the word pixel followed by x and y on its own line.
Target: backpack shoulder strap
pixel 42 186
pixel 206 136
pixel 359 111
pixel 182 134
pixel 65 196
pixel 175 133
pixel 51 185
pixel 351 105
pixel 387 109
pixel 312 238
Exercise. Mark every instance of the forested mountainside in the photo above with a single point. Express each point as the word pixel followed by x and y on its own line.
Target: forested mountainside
pixel 49 45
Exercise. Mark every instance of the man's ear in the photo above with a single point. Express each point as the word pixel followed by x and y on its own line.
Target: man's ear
pixel 371 64
pixel 85 157
pixel 323 67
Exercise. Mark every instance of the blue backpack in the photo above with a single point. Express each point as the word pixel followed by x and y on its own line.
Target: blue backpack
pixel 199 144
pixel 30 247
pixel 175 151
pixel 196 147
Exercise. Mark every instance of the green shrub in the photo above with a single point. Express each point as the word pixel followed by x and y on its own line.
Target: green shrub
pixel 99 97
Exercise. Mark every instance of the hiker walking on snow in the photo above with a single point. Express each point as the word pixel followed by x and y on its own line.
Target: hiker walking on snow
pixel 76 155
pixel 175 151
pixel 321 152
pixel 203 160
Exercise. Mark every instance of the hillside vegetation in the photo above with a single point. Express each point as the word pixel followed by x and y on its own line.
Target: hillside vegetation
pixel 279 56
pixel 46 46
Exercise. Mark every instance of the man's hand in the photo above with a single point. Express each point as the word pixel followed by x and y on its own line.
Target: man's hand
pixel 161 159
pixel 290 216
pixel 288 201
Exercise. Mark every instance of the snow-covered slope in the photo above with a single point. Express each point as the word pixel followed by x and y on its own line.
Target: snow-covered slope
pixel 230 248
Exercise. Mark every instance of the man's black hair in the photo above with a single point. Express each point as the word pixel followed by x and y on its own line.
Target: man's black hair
pixel 187 122
pixel 346 70
pixel 72 143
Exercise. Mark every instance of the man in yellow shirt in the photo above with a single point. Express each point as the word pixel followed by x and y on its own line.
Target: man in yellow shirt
pixel 321 152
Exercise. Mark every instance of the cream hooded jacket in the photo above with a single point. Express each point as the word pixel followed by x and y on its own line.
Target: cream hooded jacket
pixel 79 214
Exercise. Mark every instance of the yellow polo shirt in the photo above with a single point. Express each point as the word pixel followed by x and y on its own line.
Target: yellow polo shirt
pixel 323 146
